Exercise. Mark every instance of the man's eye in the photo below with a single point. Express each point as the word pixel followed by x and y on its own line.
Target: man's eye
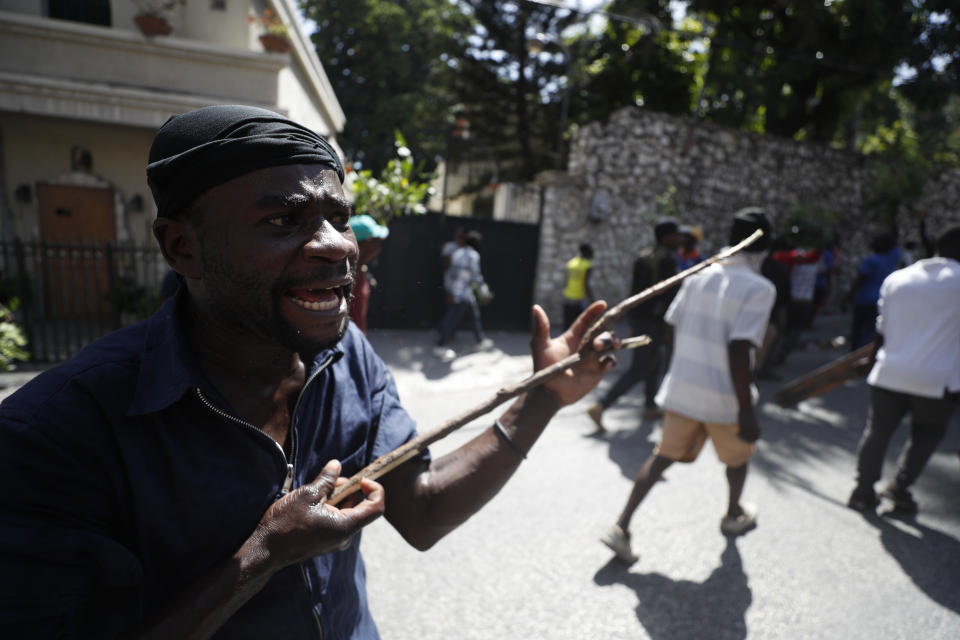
pixel 285 220
pixel 339 220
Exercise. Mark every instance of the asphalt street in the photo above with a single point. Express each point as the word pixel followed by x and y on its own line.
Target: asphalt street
pixel 530 565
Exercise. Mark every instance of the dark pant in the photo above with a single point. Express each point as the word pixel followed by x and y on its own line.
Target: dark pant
pixel 571 310
pixel 774 341
pixel 798 321
pixel 452 317
pixel 929 419
pixel 863 327
pixel 645 365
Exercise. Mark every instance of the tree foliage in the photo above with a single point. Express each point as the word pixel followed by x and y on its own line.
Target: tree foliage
pixel 398 190
pixel 637 60
pixel 383 59
pixel 879 76
pixel 12 339
pixel 514 97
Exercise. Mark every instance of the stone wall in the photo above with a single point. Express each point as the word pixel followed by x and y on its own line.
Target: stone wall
pixel 620 170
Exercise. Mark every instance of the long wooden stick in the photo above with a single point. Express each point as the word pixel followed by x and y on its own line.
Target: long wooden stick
pixel 825 378
pixel 389 461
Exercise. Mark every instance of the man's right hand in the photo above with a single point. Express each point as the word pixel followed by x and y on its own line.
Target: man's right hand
pixel 301 525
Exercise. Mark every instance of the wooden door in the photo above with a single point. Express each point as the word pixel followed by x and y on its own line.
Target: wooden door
pixel 76 223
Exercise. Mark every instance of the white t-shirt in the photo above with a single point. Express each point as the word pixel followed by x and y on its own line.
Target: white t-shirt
pixel 920 322
pixel 803 281
pixel 723 303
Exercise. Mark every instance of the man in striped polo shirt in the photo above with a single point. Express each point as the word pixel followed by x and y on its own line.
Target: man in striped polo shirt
pixel 719 316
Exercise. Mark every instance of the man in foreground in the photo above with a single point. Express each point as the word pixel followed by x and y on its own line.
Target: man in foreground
pixel 719 316
pixel 171 480
pixel 916 371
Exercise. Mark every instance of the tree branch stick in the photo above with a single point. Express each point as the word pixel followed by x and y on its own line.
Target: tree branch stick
pixel 387 462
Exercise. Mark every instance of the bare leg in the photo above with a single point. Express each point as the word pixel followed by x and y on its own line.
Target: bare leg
pixel 736 477
pixel 648 475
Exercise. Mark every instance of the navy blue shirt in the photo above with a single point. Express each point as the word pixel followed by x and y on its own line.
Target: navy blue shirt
pixel 124 476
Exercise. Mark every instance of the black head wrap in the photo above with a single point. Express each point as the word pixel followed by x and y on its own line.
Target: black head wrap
pixel 664 227
pixel 745 222
pixel 204 148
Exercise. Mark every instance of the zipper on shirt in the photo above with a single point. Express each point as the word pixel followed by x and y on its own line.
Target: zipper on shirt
pixel 303 390
pixel 288 481
pixel 316 616
pixel 243 423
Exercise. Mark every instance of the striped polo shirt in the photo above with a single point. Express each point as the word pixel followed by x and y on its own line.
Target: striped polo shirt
pixel 725 302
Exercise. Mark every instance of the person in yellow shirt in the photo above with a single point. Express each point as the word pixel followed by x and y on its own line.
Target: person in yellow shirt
pixel 577 294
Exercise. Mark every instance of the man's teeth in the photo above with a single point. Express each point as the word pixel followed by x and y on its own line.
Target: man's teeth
pixel 318 306
pixel 331 301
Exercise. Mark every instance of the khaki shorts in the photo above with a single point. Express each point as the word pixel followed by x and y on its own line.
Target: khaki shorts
pixel 683 438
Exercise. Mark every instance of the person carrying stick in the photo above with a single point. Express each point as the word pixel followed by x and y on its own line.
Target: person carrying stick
pixel 915 369
pixel 719 317
pixel 173 479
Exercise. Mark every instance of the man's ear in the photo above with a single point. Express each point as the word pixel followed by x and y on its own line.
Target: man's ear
pixel 179 245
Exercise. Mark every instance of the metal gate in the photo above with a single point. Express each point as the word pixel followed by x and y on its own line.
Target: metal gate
pixel 73 293
pixel 409 272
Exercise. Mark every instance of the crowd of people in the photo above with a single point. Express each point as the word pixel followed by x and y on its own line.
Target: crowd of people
pixel 174 479
pixel 758 305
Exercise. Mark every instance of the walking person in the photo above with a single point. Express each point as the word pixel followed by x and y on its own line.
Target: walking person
pixel 865 290
pixel 720 315
pixel 916 370
pixel 772 353
pixel 370 236
pixel 577 294
pixel 688 254
pixel 464 281
pixel 822 285
pixel 446 251
pixel 653 265
pixel 803 264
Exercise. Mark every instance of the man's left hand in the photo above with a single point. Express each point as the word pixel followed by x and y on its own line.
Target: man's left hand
pixel 749 427
pixel 577 381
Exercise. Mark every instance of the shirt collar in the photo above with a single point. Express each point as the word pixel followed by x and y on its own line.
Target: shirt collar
pixel 169 368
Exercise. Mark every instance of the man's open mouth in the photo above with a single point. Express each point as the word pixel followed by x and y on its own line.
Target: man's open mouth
pixel 326 299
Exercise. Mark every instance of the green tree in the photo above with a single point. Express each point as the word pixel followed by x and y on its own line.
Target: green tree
pixel 801 68
pixel 514 97
pixel 383 59
pixel 398 190
pixel 831 72
pixel 639 59
pixel 12 340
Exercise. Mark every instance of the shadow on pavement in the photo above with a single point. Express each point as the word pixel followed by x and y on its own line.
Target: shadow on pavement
pixel 830 427
pixel 930 558
pixel 415 350
pixel 715 608
pixel 629 448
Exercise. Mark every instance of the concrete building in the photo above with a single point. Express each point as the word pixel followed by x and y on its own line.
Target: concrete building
pixel 82 91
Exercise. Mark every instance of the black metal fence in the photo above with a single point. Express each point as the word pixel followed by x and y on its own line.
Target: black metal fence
pixel 72 293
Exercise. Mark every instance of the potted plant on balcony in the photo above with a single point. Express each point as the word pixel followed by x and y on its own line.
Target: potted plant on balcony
pixel 151 17
pixel 275 36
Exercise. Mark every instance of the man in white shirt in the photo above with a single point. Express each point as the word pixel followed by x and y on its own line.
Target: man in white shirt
pixel 719 317
pixel 916 371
